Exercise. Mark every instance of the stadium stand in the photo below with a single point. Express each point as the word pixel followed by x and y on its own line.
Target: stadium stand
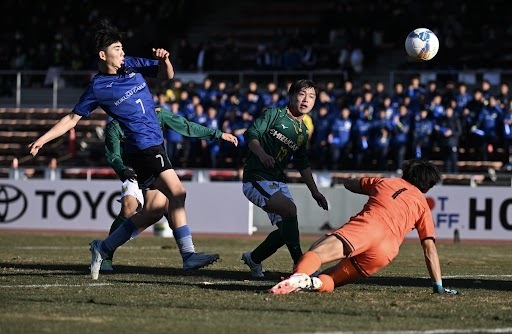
pixel 234 34
pixel 21 126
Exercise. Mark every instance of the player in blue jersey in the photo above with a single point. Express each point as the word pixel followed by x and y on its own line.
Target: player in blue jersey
pixel 132 198
pixel 121 90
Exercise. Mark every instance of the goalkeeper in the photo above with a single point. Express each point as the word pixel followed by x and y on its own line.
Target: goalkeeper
pixel 371 239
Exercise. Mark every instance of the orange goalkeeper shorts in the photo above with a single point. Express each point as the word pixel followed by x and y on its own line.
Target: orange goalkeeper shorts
pixel 372 244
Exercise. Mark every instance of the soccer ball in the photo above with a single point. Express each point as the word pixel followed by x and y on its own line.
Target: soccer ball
pixel 422 44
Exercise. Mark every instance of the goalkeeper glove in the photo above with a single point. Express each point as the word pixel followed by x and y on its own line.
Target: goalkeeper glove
pixel 438 288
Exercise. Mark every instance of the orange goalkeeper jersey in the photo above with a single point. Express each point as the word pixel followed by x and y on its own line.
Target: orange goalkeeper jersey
pixel 399 204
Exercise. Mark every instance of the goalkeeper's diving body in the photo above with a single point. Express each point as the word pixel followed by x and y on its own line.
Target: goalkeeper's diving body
pixel 370 240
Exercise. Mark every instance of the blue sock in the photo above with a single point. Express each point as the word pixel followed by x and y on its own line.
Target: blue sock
pixel 184 241
pixel 122 234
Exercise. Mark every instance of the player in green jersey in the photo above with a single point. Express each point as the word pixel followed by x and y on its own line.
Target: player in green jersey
pixel 132 198
pixel 273 140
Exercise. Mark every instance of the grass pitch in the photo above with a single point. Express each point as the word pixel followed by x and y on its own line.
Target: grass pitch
pixel 45 287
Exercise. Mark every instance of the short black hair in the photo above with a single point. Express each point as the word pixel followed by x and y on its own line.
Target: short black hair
pixel 105 34
pixel 298 85
pixel 422 174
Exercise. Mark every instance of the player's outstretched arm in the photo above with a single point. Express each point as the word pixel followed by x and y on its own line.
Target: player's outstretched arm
pixel 353 185
pixel 65 124
pixel 434 267
pixel 190 129
pixel 307 176
pixel 230 138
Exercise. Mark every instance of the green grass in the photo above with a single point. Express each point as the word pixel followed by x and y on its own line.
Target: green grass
pixel 45 287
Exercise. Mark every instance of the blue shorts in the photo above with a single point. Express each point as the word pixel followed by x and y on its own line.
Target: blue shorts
pixel 259 192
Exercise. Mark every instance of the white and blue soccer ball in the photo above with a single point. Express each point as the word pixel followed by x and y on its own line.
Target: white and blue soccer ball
pixel 421 44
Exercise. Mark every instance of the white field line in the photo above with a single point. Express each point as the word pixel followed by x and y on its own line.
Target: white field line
pixel 226 282
pixel 430 331
pixel 31 286
pixel 475 276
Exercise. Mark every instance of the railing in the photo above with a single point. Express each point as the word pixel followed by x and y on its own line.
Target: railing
pixel 323 178
pixel 56 88
pixel 472 78
pixel 107 173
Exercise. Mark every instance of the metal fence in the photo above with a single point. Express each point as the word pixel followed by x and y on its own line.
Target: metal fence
pixel 58 88
pixel 472 78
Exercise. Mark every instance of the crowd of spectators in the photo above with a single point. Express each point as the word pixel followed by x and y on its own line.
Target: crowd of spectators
pixel 351 34
pixel 355 126
pixel 372 127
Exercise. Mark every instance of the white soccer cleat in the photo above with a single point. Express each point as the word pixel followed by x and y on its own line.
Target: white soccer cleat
pixel 256 269
pixel 296 283
pixel 96 258
pixel 316 283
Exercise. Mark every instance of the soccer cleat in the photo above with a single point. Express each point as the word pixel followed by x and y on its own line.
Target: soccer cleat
pixel 316 283
pixel 256 269
pixel 296 283
pixel 106 265
pixel 199 260
pixel 96 258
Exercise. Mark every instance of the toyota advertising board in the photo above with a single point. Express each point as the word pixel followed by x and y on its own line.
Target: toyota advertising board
pixel 80 205
pixel 475 213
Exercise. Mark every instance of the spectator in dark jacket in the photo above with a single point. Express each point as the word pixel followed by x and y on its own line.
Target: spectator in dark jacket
pixel 488 127
pixel 507 134
pixel 449 130
pixel 339 138
pixel 320 145
pixel 401 127
pixel 361 133
pixel 380 138
pixel 422 135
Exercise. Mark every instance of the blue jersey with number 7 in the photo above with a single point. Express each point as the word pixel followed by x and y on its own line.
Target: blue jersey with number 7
pixel 126 97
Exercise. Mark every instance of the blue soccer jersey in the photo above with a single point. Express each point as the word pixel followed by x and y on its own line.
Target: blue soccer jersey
pixel 126 98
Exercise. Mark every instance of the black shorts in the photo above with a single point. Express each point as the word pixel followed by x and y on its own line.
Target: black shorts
pixel 148 164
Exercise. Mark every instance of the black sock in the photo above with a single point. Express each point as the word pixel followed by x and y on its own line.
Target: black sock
pixel 290 233
pixel 269 246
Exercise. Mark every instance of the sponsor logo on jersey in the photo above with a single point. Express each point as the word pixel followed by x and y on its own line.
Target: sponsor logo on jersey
pixel 283 139
pixel 130 93
pixel 284 126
